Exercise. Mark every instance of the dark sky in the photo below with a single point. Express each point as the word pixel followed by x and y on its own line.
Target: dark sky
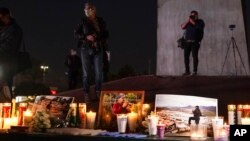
pixel 48 27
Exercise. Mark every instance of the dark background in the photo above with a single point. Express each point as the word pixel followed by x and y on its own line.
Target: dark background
pixel 48 29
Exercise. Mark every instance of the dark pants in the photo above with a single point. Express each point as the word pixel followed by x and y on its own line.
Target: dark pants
pixel 196 119
pixel 72 79
pixel 90 58
pixel 194 48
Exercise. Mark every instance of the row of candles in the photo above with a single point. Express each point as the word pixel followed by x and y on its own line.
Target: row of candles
pixel 238 114
pixel 10 117
pixel 88 119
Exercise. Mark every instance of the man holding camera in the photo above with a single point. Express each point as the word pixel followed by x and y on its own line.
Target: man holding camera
pixel 194 29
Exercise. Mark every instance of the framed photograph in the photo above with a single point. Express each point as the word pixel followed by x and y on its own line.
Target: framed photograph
pixel 118 102
pixel 177 112
pixel 56 106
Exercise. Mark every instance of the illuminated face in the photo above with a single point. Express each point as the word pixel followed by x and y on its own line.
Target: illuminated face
pixel 72 52
pixel 89 11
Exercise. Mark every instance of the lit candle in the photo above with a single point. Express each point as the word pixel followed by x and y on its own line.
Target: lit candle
pixel 231 114
pixel 122 122
pixel 245 121
pixel 21 109
pixel 14 121
pixel 82 114
pixel 27 118
pixel 239 113
pixel 91 119
pixel 13 107
pixel 246 110
pixel 6 110
pixel 73 107
pixel 145 109
pixel 132 121
pixel 152 124
pixel 198 132
pixel 6 123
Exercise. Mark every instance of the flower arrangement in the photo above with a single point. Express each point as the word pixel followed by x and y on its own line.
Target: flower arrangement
pixel 41 121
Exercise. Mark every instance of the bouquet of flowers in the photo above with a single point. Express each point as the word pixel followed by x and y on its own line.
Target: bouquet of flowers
pixel 41 121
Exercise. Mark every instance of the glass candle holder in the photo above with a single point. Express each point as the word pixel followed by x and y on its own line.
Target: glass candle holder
pixel 152 124
pixel 198 132
pixel 27 118
pixel 132 121
pixel 6 110
pixel 239 113
pixel 91 119
pixel 122 122
pixel 231 114
pixel 82 114
pixel 161 130
pixel 22 107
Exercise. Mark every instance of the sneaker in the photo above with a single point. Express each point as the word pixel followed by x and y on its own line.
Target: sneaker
pixel 186 73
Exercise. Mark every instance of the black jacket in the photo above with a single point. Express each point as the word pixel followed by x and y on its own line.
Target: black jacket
pixel 86 28
pixel 10 43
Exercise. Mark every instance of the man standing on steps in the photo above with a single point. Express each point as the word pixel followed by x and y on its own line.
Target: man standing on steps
pixel 194 29
pixel 92 36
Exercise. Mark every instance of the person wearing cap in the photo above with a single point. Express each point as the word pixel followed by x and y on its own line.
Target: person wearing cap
pixel 11 37
pixel 92 38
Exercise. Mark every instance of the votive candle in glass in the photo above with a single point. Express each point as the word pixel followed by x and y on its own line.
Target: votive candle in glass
pixel 27 118
pixel 132 121
pixel 91 116
pixel 6 110
pixel 231 114
pixel 22 107
pixel 239 113
pixel 82 114
pixel 122 122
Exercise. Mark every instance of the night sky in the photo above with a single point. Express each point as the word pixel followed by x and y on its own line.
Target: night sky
pixel 48 27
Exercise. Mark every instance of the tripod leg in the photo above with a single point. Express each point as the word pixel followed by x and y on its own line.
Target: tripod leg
pixel 228 47
pixel 235 65
pixel 239 55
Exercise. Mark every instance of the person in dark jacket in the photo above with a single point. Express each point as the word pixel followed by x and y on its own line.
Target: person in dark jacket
pixel 10 42
pixel 92 37
pixel 194 30
pixel 196 117
pixel 73 62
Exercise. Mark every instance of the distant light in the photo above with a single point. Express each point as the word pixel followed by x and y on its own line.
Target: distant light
pixel 54 92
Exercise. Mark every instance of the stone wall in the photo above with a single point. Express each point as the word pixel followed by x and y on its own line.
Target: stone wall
pixel 218 15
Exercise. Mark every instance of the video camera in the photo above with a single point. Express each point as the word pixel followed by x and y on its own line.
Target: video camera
pixel 232 26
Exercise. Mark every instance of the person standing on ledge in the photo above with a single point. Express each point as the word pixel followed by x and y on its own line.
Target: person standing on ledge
pixel 92 37
pixel 11 36
pixel 194 30
pixel 73 62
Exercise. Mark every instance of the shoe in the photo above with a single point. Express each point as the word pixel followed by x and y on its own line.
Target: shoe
pixel 186 73
pixel 194 73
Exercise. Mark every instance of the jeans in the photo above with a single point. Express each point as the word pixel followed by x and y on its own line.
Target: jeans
pixel 91 59
pixel 194 48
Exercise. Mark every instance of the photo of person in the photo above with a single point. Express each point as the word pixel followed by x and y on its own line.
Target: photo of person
pixel 121 106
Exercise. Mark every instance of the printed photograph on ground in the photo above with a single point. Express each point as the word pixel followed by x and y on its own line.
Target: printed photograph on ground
pixel 178 112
